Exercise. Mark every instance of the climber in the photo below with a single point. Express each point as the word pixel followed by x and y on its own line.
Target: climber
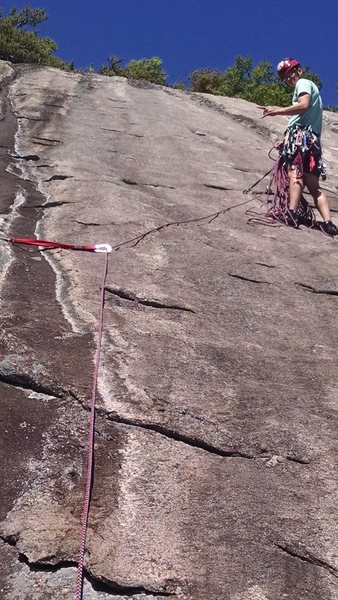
pixel 300 162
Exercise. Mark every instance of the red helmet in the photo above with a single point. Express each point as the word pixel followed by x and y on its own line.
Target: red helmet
pixel 286 65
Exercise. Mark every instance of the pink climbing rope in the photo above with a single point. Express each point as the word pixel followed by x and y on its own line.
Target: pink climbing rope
pixel 91 432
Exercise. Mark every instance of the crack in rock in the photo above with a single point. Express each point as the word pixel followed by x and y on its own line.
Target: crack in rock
pixel 55 105
pixel 217 187
pixel 24 381
pixel 299 461
pixel 48 204
pixel 32 119
pixel 247 278
pixel 112 588
pixel 265 264
pixel 129 181
pixel 119 131
pixel 313 290
pixel 153 185
pixel 59 178
pixel 99 584
pixel 242 170
pixel 194 442
pixel 47 140
pixel 159 185
pixel 277 459
pixel 33 157
pixel 90 224
pixel 306 556
pixel 125 295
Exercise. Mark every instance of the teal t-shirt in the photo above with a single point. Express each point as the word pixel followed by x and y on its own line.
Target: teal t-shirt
pixel 314 115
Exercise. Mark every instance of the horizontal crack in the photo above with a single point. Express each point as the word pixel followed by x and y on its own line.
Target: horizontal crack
pixel 266 265
pixel 306 556
pixel 112 588
pixel 90 224
pixel 47 204
pixel 247 278
pixel 99 584
pixel 31 119
pixel 59 178
pixel 125 132
pixel 47 140
pixel 27 383
pixel 241 170
pixel 178 437
pixel 33 157
pixel 313 290
pixel 300 461
pixel 125 295
pixel 129 181
pixel 217 187
pixel 159 185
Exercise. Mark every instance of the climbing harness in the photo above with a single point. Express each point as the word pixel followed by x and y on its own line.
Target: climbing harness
pixel 301 151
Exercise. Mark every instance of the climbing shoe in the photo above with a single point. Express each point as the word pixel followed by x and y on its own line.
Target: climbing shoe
pixel 290 218
pixel 329 228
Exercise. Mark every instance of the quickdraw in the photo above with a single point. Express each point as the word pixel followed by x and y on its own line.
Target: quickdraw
pixel 47 245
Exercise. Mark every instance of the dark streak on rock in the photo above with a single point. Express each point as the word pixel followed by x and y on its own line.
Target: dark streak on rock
pixel 125 295
pixel 247 278
pixel 306 556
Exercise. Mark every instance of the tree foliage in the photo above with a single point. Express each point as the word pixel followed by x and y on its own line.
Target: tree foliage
pixel 18 45
pixel 27 17
pixel 257 84
pixel 149 69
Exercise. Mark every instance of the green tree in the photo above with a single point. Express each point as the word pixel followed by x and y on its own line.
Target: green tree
pixel 148 69
pixel 205 81
pixel 257 84
pixel 18 45
pixel 27 17
pixel 113 68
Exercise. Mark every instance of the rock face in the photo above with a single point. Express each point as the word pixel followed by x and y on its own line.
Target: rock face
pixel 216 434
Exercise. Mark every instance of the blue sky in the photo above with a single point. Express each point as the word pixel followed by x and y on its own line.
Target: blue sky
pixel 194 34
